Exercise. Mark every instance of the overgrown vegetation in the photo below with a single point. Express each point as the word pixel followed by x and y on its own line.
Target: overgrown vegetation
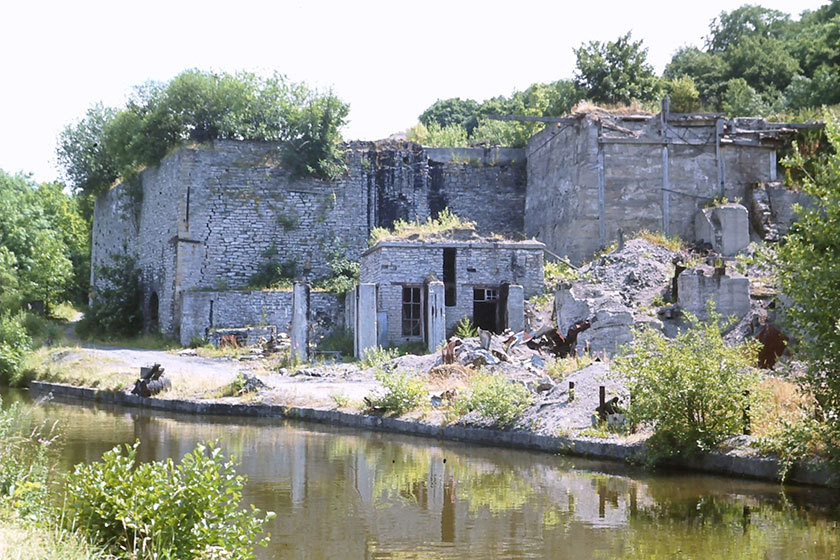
pixel 494 398
pixel 273 272
pixel 808 271
pixel 377 356
pixel 445 221
pixel 344 272
pixel 116 309
pixel 402 392
pixel 465 328
pixel 163 509
pixel 199 106
pixel 692 390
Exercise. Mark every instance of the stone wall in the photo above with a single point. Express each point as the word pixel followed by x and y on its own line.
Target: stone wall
pixel 207 217
pixel 393 264
pixel 593 175
pixel 205 311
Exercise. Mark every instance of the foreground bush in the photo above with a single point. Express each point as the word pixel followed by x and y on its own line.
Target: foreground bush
pixel 494 398
pixel 401 392
pixel 161 509
pixel 14 344
pixel 692 390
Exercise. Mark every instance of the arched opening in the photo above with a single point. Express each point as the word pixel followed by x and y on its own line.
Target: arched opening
pixel 154 303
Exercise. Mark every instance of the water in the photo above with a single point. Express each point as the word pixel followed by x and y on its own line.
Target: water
pixel 342 493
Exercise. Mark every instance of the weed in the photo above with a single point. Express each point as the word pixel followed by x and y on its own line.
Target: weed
pixel 560 368
pixel 445 221
pixel 494 398
pixel 658 300
pixel 402 393
pixel 377 356
pixel 672 243
pixel 465 328
pixel 341 400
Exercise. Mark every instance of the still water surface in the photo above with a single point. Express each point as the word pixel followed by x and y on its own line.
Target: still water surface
pixel 342 493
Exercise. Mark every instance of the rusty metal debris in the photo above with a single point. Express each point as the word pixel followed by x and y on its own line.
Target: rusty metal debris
pixel 151 381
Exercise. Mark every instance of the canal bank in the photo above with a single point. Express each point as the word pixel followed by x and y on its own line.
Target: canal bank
pixel 734 462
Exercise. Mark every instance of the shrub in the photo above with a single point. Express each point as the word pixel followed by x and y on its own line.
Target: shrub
pixel 465 328
pixel 494 398
pixel 377 356
pixel 274 274
pixel 693 389
pixel 115 311
pixel 402 392
pixel 185 510
pixel 14 345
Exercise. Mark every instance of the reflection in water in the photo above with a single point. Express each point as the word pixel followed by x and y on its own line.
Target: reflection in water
pixel 341 493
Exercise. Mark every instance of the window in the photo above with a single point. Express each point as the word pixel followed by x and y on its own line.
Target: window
pixel 449 276
pixel 485 294
pixel 411 311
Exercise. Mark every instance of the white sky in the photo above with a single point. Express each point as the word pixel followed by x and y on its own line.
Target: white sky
pixel 388 59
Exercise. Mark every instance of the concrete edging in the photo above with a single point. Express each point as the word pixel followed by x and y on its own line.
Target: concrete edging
pixel 719 463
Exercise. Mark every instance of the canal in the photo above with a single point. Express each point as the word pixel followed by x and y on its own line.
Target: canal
pixel 342 493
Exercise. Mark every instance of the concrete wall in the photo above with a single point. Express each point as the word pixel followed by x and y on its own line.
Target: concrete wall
pixel 393 264
pixel 207 217
pixel 589 178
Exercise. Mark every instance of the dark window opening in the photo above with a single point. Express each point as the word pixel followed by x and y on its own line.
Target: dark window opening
pixel 485 308
pixel 411 308
pixel 154 313
pixel 449 277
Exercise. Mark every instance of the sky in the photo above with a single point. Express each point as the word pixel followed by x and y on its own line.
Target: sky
pixel 389 60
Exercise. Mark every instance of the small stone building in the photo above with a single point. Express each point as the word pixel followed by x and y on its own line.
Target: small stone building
pixel 485 279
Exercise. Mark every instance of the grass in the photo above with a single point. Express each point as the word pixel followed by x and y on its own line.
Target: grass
pixel 446 221
pixel 672 243
pixel 781 402
pixel 560 368
pixel 145 341
pixel 21 541
pixel 75 367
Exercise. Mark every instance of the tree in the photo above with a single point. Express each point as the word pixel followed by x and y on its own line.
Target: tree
pixel 729 29
pixel 453 111
pixel 684 95
pixel 706 69
pixel 809 274
pixel 201 106
pixel 616 71
pixel 740 99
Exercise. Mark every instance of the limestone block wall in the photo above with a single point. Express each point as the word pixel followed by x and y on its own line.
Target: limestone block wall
pixel 203 311
pixel 393 264
pixel 207 217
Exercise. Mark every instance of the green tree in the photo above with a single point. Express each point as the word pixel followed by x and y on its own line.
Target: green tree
pixel 201 106
pixel 729 29
pixel 41 232
pixel 691 389
pixel 452 112
pixel 616 71
pixel 809 274
pixel 708 71
pixel 684 95
pixel 740 99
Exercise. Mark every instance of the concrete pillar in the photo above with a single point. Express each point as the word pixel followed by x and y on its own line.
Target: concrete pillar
pixel 364 333
pixel 382 328
pixel 300 322
pixel 516 308
pixel 435 315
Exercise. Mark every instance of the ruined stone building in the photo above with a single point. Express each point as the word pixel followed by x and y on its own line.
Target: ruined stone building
pixel 202 222
pixel 482 278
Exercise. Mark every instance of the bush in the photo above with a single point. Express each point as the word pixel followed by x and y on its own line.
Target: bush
pixel 494 398
pixel 693 389
pixel 377 356
pixel 162 509
pixel 116 310
pixel 403 392
pixel 14 345
pixel 465 328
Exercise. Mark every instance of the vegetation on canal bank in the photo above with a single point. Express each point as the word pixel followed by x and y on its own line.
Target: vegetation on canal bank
pixel 118 508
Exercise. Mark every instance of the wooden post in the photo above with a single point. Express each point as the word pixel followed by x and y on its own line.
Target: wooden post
pixel 747 429
pixel 571 391
pixel 602 399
